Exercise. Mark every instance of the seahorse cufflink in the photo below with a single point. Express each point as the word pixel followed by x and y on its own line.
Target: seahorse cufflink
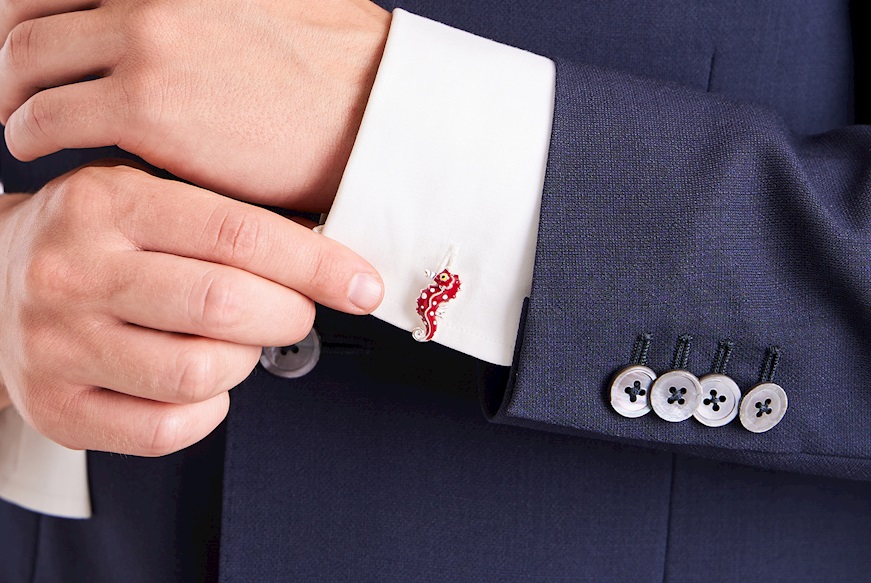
pixel 431 302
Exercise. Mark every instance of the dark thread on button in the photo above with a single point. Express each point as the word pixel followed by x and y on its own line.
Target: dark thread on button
pixel 724 353
pixel 677 395
pixel 715 400
pixel 635 391
pixel 681 353
pixel 640 349
pixel 769 367
pixel 763 408
pixel 347 344
pixel 285 349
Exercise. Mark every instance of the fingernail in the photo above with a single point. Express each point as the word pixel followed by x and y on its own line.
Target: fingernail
pixel 365 292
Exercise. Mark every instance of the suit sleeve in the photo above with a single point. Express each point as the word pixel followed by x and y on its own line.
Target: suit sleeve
pixel 663 211
pixel 671 212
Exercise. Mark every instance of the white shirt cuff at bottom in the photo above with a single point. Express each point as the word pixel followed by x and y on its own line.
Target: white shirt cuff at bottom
pixel 40 475
pixel 448 166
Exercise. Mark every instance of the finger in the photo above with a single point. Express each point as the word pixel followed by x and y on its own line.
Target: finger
pixel 52 51
pixel 103 420
pixel 81 115
pixel 160 366
pixel 221 230
pixel 178 294
pixel 13 13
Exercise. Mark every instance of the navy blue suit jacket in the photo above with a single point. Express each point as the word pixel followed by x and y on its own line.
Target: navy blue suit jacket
pixel 706 176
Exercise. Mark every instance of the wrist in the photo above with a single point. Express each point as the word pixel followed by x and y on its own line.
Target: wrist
pixel 367 38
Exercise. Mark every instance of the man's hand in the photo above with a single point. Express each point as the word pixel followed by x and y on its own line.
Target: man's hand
pixel 260 100
pixel 131 305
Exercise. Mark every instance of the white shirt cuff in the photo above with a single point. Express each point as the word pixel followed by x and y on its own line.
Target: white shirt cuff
pixel 40 475
pixel 447 170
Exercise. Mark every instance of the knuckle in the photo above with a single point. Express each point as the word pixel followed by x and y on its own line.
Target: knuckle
pixel 138 98
pixel 82 195
pixel 216 303
pixel 164 433
pixel 39 116
pixel 19 49
pixel 83 180
pixel 115 180
pixel 151 35
pixel 322 269
pixel 235 237
pixel 300 323
pixel 116 185
pixel 151 29
pixel 145 21
pixel 53 414
pixel 47 277
pixel 17 9
pixel 196 377
pixel 304 320
pixel 250 360
pixel 92 174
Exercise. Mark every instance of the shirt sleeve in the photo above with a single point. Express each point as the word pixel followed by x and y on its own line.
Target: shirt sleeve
pixel 447 172
pixel 38 474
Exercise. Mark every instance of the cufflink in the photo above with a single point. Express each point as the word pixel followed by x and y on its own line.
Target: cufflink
pixel 631 385
pixel 676 395
pixel 765 404
pixel 720 394
pixel 432 300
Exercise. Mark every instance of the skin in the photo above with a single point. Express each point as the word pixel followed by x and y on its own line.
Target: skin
pixel 259 100
pixel 126 304
pixel 125 310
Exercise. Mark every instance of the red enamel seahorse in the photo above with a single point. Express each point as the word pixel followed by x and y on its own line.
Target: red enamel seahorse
pixel 430 303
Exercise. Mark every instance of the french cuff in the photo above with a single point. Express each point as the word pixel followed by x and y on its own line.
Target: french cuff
pixel 447 171
pixel 40 475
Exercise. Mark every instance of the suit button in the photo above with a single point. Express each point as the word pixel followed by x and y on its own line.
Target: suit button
pixel 293 361
pixel 675 395
pixel 630 390
pixel 763 407
pixel 720 398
